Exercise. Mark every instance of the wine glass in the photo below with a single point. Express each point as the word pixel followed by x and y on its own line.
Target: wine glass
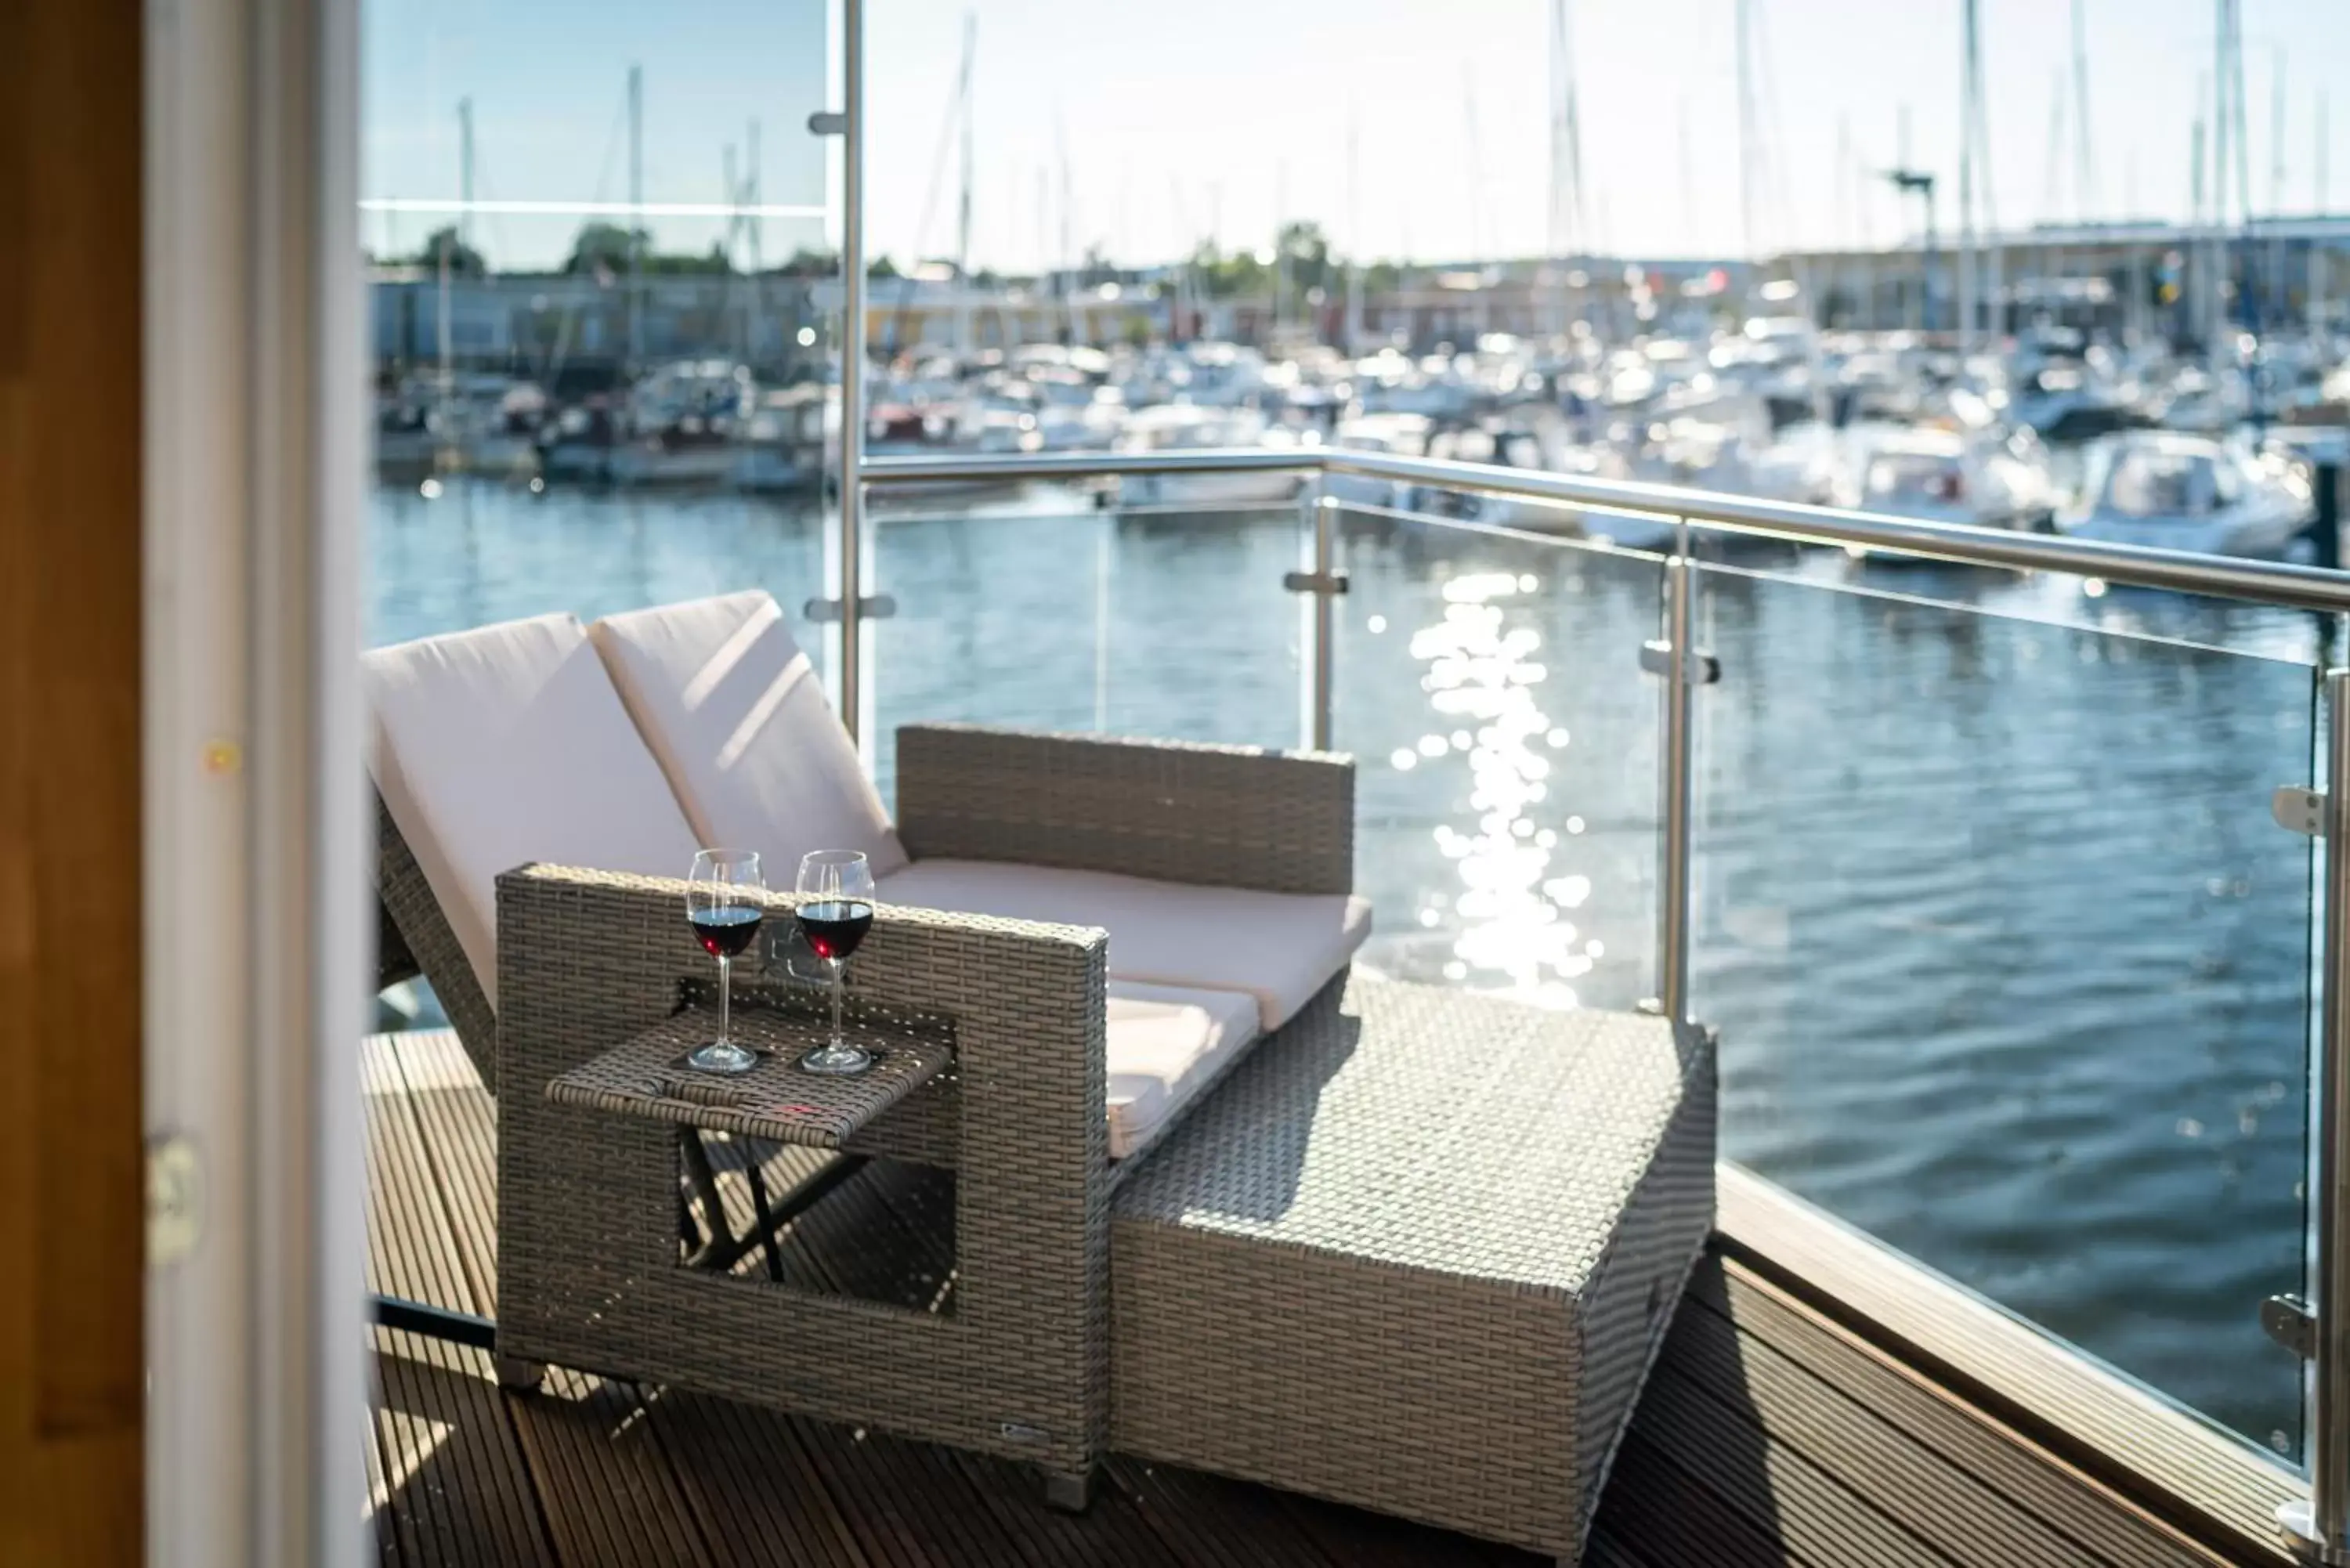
pixel 835 910
pixel 723 898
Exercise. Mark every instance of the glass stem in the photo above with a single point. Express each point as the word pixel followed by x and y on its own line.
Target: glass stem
pixel 834 965
pixel 725 1000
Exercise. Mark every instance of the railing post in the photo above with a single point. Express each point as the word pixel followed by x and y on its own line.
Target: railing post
pixel 1680 681
pixel 2329 1466
pixel 2319 1333
pixel 851 584
pixel 1321 626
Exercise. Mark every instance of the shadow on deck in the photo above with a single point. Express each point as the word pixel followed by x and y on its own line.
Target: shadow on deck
pixel 1767 1433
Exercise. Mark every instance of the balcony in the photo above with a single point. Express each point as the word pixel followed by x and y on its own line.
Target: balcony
pixel 1937 934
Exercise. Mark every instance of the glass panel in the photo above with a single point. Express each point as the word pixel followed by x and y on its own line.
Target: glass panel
pixel 564 105
pixel 1027 607
pixel 1488 685
pixel 2012 965
pixel 564 421
pixel 482 551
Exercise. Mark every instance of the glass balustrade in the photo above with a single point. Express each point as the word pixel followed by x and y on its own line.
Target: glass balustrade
pixel 1488 685
pixel 483 550
pixel 2012 965
pixel 1062 608
pixel 602 314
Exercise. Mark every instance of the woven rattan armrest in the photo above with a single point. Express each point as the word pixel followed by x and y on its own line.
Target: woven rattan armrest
pixel 1232 817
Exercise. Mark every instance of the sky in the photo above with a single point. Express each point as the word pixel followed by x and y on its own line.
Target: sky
pixel 1408 129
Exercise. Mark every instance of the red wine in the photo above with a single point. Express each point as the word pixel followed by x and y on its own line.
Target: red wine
pixel 835 927
pixel 727 929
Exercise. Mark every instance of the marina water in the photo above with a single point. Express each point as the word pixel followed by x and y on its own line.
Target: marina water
pixel 2011 966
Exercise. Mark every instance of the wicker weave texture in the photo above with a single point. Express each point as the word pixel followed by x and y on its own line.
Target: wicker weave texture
pixel 1232 817
pixel 588 1265
pixel 431 942
pixel 1416 1254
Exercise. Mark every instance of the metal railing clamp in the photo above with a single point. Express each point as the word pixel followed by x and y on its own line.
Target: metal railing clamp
pixel 870 606
pixel 2299 810
pixel 1656 658
pixel 2291 1322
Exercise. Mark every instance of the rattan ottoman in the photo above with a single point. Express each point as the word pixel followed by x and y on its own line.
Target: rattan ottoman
pixel 1416 1254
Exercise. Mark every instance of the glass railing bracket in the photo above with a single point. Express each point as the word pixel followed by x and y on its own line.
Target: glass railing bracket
pixel 873 607
pixel 827 122
pixel 1326 583
pixel 2299 810
pixel 2288 1321
pixel 1656 658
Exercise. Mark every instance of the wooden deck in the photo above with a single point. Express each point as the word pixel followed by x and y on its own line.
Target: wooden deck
pixel 1771 1433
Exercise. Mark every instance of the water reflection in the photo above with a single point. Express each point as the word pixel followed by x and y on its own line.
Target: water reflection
pixel 1510 916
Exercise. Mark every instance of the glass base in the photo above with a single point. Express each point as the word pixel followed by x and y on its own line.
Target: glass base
pixel 722 1056
pixel 840 1061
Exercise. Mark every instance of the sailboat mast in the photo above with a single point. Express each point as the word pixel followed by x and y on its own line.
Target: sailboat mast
pixel 1280 248
pixel 465 172
pixel 1476 190
pixel 636 214
pixel 1566 236
pixel 754 198
pixel 2274 282
pixel 2228 135
pixel 1748 239
pixel 1068 252
pixel 1970 92
pixel 2083 164
pixel 962 201
pixel 2317 259
pixel 731 302
pixel 450 238
pixel 1354 332
pixel 751 192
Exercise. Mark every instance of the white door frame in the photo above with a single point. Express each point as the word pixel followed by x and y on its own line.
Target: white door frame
pixel 256 929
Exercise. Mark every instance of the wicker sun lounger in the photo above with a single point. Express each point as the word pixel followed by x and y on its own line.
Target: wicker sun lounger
pixel 590 1265
pixel 1027 1061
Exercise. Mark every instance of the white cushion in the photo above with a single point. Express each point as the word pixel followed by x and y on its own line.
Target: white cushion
pixel 1279 948
pixel 1165 1044
pixel 505 745
pixel 734 712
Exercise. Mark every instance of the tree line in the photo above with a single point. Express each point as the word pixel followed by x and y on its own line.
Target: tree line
pixel 1300 258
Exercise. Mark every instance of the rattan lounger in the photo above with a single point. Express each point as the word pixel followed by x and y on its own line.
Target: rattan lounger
pixel 591 1270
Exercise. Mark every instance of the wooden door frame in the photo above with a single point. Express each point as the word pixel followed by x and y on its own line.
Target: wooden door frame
pixel 255 882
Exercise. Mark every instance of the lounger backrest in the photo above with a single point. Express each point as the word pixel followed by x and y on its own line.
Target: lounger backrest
pixel 733 710
pixel 506 745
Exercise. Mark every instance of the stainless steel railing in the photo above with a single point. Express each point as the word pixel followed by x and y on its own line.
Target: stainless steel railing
pixel 2260 582
pixel 2324 1333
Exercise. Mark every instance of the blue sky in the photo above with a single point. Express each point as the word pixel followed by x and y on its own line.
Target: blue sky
pixel 1225 115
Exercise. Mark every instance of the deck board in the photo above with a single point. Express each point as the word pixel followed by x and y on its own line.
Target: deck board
pixel 2062 1502
pixel 2000 1364
pixel 760 1500
pixel 446 1474
pixel 1974 1525
pixel 1770 1435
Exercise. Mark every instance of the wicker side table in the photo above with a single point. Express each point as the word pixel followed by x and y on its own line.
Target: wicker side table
pixel 1416 1254
pixel 645 1078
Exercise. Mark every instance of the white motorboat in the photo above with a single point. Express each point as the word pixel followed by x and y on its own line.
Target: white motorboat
pixel 2177 492
pixel 1391 434
pixel 1980 478
pixel 1189 427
